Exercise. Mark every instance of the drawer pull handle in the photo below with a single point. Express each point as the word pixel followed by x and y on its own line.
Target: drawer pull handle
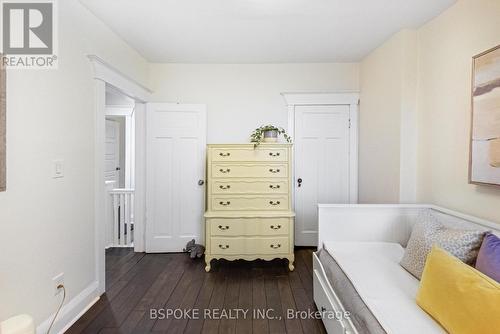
pixel 274 203
pixel 275 246
pixel 227 170
pixel 225 187
pixel 274 154
pixel 274 171
pixel 223 246
pixel 274 186
pixel 223 228
pixel 276 227
pixel 224 154
pixel 225 203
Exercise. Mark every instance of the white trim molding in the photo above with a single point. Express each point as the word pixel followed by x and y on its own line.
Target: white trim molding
pixel 113 110
pixel 350 98
pixel 140 177
pixel 99 183
pixel 105 75
pixel 321 98
pixel 121 82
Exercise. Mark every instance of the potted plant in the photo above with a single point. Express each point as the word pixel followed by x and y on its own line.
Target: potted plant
pixel 268 134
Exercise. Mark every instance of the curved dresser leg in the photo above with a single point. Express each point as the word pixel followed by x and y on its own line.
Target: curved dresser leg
pixel 207 261
pixel 290 262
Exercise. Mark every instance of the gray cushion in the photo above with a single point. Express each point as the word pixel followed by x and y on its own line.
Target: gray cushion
pixel 427 232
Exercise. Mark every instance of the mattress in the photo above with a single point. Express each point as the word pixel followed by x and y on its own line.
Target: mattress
pixel 361 316
pixel 386 289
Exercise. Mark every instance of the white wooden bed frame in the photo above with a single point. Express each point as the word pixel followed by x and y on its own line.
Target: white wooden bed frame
pixel 371 222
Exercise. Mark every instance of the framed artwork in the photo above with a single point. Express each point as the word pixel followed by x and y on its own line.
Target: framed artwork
pixel 3 148
pixel 484 165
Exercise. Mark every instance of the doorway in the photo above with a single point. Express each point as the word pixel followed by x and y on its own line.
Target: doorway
pixel 105 77
pixel 184 125
pixel 119 176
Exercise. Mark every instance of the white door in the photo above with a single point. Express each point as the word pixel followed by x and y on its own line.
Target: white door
pixel 321 165
pixel 112 152
pixel 175 173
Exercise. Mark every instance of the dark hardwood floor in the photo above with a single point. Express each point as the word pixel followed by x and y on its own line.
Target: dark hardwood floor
pixel 138 283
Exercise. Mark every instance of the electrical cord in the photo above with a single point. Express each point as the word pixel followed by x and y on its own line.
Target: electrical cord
pixel 60 286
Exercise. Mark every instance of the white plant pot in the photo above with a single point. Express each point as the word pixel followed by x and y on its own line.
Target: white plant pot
pixel 270 136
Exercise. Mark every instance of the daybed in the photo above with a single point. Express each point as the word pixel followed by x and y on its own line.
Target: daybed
pixel 358 282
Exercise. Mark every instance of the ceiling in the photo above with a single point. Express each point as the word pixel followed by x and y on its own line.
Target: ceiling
pixel 260 31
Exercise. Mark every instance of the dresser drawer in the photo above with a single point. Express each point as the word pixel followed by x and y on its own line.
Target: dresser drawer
pixel 250 154
pixel 249 226
pixel 249 203
pixel 230 186
pixel 325 304
pixel 248 170
pixel 249 246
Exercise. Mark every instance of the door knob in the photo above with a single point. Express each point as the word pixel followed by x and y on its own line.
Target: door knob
pixel 299 181
pixel 201 182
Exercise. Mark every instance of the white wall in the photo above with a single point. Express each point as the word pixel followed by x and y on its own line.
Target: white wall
pixel 387 145
pixel 47 225
pixel 242 97
pixel 446 47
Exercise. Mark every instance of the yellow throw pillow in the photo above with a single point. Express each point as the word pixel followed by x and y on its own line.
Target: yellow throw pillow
pixel 460 298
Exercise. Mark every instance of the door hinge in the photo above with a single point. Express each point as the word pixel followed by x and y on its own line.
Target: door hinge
pixel 349 123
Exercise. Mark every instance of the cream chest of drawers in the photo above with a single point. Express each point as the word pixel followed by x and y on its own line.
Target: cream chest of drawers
pixel 249 212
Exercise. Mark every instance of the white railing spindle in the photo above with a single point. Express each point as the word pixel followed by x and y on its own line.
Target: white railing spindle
pixel 122 220
pixel 116 205
pixel 127 238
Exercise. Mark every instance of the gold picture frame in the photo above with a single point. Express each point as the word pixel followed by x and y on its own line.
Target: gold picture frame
pixel 484 151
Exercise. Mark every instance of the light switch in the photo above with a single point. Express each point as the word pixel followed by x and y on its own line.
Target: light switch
pixel 57 169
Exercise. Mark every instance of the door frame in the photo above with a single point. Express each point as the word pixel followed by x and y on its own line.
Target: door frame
pixel 105 74
pixel 350 98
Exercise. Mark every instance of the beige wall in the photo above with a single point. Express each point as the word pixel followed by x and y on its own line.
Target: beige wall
pixel 241 97
pixel 423 77
pixel 387 122
pixel 447 45
pixel 47 225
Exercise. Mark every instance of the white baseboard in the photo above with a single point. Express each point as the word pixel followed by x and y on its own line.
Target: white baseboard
pixel 71 311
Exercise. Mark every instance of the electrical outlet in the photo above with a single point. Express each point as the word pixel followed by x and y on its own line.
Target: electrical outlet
pixel 58 280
